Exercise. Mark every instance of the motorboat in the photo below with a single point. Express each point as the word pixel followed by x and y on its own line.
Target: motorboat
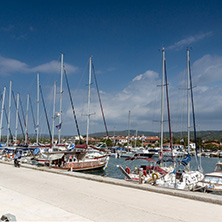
pixel 211 181
pixel 146 173
pixel 142 152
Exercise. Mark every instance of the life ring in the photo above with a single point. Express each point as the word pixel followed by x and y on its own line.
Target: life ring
pixel 127 170
pixel 144 173
pixel 155 176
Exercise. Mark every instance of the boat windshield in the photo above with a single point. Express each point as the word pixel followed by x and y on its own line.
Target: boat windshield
pixel 211 179
pixel 218 167
pixel 220 181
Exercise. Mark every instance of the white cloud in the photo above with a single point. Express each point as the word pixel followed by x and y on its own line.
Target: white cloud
pixel 52 67
pixel 11 66
pixel 207 69
pixel 142 98
pixel 139 97
pixel 187 41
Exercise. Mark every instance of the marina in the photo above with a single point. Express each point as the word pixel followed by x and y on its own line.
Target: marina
pixel 81 197
pixel 112 166
pixel 110 111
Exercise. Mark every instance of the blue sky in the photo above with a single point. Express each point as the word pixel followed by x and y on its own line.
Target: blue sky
pixel 125 39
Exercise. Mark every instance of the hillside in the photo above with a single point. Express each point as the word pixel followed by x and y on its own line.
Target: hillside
pixel 207 135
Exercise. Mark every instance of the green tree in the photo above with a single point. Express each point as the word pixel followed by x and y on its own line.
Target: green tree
pixel 199 142
pixel 109 143
pixel 138 143
pixel 210 146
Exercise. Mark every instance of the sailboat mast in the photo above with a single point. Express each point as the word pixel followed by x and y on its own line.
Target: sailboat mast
pixel 188 100
pixel 16 121
pixel 9 111
pixel 128 131
pixel 114 136
pixel 37 121
pixel 194 121
pixel 3 104
pixel 53 115
pixel 162 102
pixel 89 88
pixel 26 121
pixel 136 138
pixel 168 111
pixel 60 108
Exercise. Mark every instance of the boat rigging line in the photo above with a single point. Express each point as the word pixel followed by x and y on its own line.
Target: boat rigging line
pixel 168 109
pixel 72 104
pixel 33 117
pixel 19 118
pixel 47 120
pixel 20 101
pixel 194 123
pixel 100 101
pixel 6 116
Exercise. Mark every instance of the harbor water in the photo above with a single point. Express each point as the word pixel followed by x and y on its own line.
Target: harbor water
pixel 208 165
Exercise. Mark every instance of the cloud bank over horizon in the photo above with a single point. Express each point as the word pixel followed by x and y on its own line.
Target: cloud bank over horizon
pixel 142 97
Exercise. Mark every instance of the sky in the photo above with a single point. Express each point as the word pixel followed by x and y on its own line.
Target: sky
pixel 125 40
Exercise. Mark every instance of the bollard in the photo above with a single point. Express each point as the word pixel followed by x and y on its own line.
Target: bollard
pixel 140 175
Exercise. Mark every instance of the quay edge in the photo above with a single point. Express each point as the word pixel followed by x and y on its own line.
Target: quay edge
pixel 198 196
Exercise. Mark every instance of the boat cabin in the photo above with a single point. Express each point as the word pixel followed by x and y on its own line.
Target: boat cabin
pixel 218 167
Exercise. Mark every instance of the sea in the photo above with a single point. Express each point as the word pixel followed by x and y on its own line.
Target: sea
pixel 208 165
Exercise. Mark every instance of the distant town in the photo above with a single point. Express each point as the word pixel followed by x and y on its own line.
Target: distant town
pixel 208 140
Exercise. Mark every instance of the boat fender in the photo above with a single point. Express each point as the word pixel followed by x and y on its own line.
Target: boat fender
pixel 127 170
pixel 144 173
pixel 155 176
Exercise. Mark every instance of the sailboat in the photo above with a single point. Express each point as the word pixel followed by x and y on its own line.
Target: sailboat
pixel 151 172
pixel 184 178
pixel 78 158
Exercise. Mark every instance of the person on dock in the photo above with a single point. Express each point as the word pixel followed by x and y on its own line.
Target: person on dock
pixel 16 159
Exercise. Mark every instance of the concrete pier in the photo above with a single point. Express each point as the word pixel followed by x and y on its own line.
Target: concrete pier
pixel 53 195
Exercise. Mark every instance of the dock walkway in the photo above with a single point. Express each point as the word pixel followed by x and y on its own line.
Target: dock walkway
pixel 38 195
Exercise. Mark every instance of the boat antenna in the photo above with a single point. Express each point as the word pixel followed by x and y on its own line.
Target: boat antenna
pixel 100 101
pixel 47 120
pixel 72 104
